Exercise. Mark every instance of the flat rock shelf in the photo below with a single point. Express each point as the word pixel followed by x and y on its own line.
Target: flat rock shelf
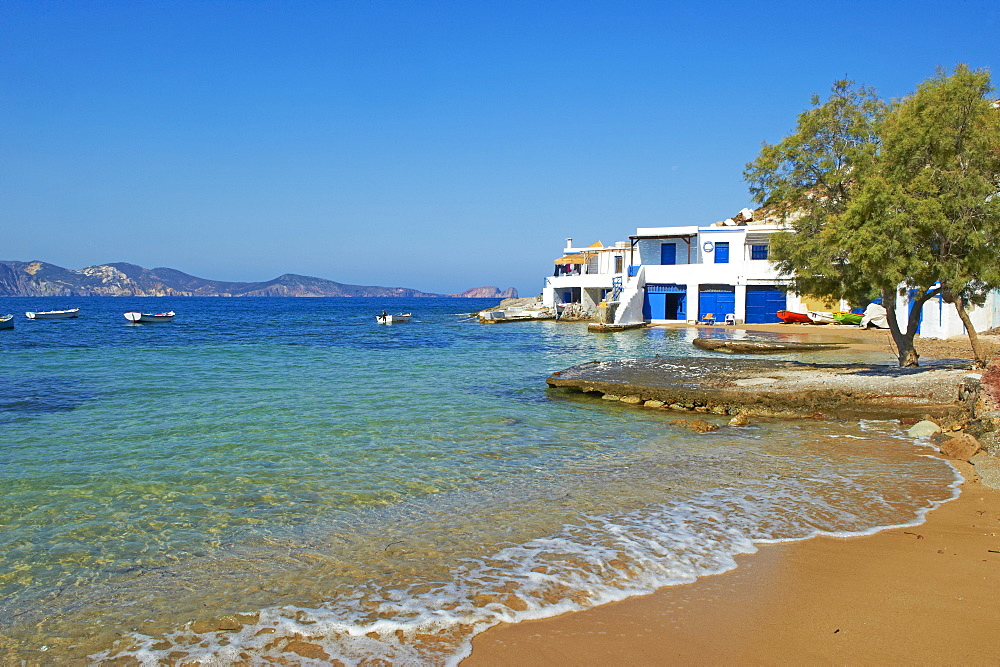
pixel 777 388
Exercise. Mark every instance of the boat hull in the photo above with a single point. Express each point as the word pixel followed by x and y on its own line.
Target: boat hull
pixel 788 317
pixel 848 318
pixel 53 314
pixel 393 319
pixel 821 317
pixel 150 317
pixel 7 322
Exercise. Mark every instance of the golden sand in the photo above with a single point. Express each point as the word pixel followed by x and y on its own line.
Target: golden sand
pixel 925 594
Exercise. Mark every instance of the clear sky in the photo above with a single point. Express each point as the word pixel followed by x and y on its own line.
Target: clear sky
pixel 425 144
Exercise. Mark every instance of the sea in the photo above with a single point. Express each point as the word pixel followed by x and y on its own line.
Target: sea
pixel 269 479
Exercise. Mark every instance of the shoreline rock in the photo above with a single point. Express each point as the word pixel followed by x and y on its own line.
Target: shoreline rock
pixel 782 389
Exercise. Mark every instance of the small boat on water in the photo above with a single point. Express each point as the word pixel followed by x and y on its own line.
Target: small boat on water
pixel 821 317
pixel 6 321
pixel 788 317
pixel 150 317
pixel 53 314
pixel 848 318
pixel 388 318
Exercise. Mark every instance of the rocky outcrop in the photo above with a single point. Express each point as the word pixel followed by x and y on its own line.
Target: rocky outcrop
pixel 488 293
pixel 774 388
pixel 122 279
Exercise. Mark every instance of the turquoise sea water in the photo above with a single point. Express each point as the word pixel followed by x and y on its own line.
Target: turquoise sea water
pixel 377 491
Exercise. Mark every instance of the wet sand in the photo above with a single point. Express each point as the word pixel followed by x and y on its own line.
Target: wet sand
pixel 925 594
pixel 908 595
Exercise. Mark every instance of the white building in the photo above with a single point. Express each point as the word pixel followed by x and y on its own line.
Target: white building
pixel 677 274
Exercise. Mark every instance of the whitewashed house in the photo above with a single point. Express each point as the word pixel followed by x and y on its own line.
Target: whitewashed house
pixel 678 274
pixel 670 274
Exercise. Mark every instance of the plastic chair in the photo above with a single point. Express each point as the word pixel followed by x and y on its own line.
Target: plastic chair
pixel 731 318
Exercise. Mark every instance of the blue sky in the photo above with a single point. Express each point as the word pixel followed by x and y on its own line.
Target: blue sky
pixel 433 145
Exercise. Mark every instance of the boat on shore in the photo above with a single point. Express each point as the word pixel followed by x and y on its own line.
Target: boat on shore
pixel 150 317
pixel 388 318
pixel 848 318
pixel 53 314
pixel 821 317
pixel 789 317
pixel 6 321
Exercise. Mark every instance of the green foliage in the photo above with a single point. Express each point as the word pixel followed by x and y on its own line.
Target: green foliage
pixel 940 174
pixel 879 197
pixel 808 179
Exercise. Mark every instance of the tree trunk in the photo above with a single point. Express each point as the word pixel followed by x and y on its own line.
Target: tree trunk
pixel 903 339
pixel 977 349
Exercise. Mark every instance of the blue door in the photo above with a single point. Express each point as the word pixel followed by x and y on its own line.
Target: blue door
pixel 664 302
pixel 763 303
pixel 716 300
pixel 654 307
pixel 668 253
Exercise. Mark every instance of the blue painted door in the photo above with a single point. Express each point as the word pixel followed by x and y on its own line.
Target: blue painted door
pixel 654 307
pixel 668 253
pixel 716 301
pixel 763 303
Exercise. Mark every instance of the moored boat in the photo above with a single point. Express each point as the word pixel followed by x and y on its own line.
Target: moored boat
pixel 53 314
pixel 789 317
pixel 388 318
pixel 848 318
pixel 6 321
pixel 150 317
pixel 821 317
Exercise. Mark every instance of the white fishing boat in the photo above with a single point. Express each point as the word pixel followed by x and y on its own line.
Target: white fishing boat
pixel 150 317
pixel 388 318
pixel 6 321
pixel 53 314
pixel 821 317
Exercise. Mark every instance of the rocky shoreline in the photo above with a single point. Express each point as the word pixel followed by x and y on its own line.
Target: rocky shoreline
pixel 945 400
pixel 785 389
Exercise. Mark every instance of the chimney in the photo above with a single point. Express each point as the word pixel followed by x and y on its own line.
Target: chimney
pixel 569 243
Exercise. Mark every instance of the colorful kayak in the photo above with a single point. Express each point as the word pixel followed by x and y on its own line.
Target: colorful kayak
pixel 788 317
pixel 847 318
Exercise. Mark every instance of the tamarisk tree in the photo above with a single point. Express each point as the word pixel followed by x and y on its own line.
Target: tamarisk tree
pixel 934 190
pixel 881 199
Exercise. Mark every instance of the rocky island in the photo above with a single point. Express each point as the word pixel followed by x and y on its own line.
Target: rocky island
pixel 122 279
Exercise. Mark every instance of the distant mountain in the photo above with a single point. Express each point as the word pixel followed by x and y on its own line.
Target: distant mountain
pixel 488 293
pixel 120 279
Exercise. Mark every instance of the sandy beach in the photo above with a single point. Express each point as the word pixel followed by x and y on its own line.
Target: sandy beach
pixel 922 594
pixel 911 595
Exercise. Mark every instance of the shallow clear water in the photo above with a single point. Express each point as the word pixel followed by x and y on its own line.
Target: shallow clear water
pixel 378 491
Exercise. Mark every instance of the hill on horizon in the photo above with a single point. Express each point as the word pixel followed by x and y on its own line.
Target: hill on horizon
pixel 123 279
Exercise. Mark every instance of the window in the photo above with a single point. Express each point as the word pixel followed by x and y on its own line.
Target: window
pixel 722 253
pixel 758 251
pixel 619 263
